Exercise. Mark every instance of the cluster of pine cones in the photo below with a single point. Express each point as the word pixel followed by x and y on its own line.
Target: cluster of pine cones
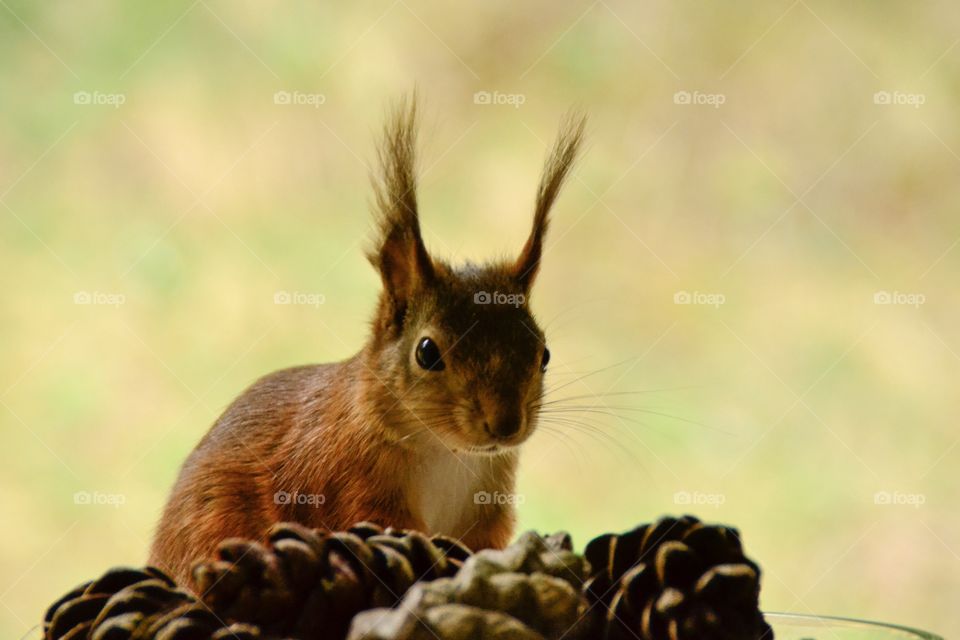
pixel 675 579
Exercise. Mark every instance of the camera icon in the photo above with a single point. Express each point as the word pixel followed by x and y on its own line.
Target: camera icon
pixel 682 297
pixel 82 497
pixel 882 297
pixel 882 97
pixel 482 297
pixel 482 97
pixel 682 497
pixel 882 497
pixel 282 97
pixel 282 297
pixel 82 97
pixel 682 97
pixel 282 497
pixel 82 297
pixel 482 497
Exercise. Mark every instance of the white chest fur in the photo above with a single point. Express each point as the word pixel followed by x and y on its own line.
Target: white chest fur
pixel 445 487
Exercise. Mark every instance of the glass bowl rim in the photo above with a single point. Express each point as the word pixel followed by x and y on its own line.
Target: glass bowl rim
pixel 786 616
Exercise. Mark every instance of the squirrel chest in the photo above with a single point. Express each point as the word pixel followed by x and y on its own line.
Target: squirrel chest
pixel 452 492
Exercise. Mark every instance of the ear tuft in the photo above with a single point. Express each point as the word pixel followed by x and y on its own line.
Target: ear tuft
pixel 556 168
pixel 399 253
pixel 395 186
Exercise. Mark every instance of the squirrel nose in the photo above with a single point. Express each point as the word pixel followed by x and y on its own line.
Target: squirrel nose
pixel 502 413
pixel 502 425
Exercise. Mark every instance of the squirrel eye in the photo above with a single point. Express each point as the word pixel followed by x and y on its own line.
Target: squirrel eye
pixel 428 355
pixel 545 360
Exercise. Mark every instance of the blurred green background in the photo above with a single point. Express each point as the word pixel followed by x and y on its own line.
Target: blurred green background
pixel 791 166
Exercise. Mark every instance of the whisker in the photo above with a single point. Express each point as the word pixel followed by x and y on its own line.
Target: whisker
pixel 603 394
pixel 611 411
pixel 568 443
pixel 593 373
pixel 595 433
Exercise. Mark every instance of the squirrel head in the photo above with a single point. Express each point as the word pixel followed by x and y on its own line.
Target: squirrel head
pixel 455 353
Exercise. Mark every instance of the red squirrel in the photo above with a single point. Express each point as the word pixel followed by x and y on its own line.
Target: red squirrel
pixel 421 429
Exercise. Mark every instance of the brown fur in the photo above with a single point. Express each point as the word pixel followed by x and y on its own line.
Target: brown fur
pixel 377 436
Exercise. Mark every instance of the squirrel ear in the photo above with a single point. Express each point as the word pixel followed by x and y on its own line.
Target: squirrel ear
pixel 399 254
pixel 555 170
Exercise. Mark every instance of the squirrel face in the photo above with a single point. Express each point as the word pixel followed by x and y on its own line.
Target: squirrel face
pixel 473 360
pixel 456 350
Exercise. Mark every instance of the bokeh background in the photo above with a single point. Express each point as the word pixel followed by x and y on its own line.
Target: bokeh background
pixel 789 168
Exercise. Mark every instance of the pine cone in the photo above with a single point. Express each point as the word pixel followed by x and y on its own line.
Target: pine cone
pixel 447 621
pixel 135 604
pixel 675 579
pixel 308 583
pixel 528 591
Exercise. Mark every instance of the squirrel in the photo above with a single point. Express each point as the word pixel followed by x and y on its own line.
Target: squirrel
pixel 420 429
